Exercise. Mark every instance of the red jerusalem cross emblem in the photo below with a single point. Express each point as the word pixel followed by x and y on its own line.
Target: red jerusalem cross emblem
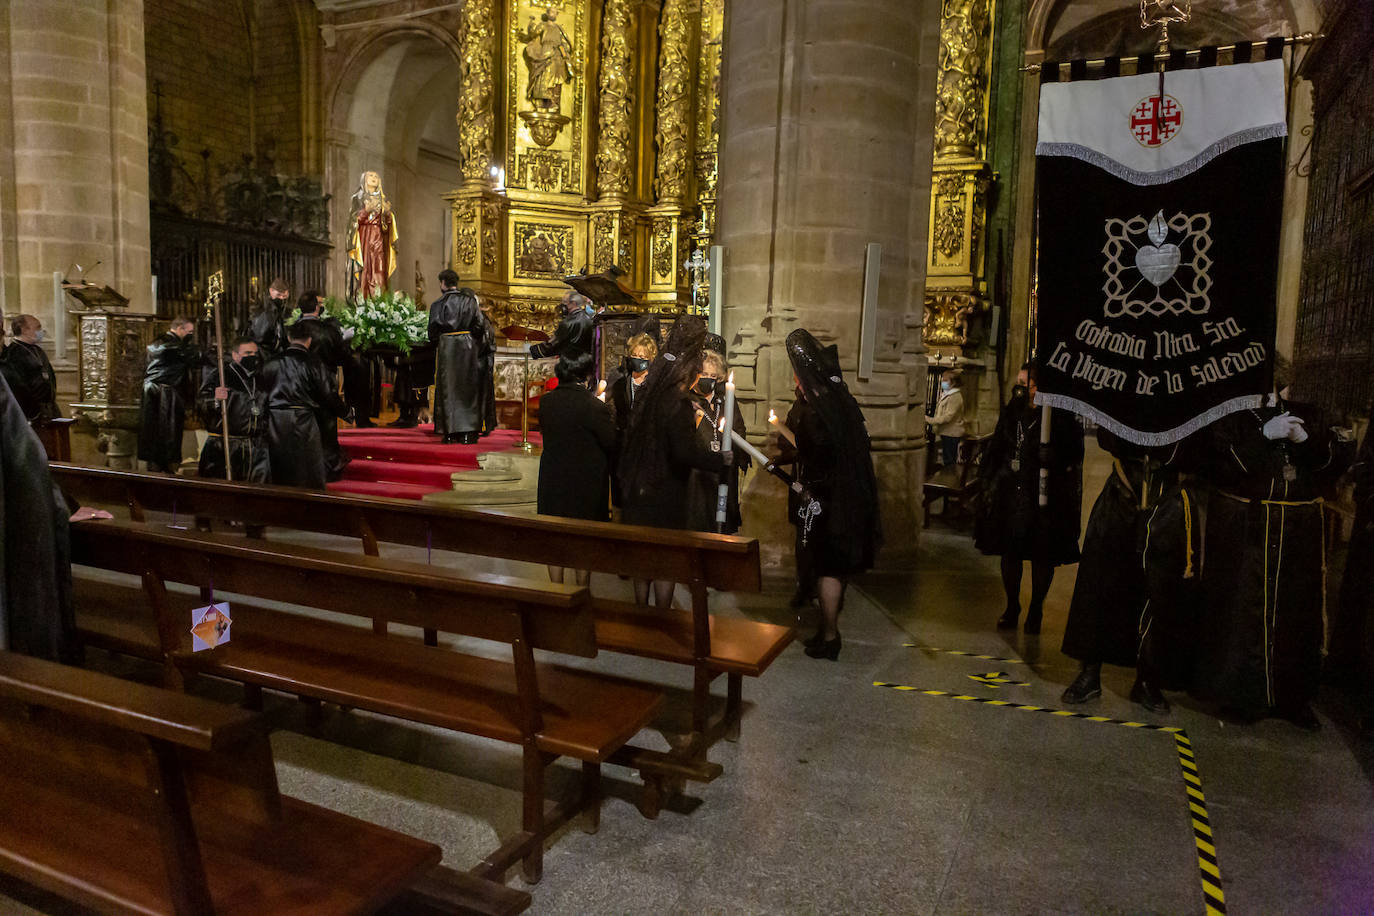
pixel 1155 120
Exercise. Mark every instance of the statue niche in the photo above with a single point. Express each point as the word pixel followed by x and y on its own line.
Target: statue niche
pixel 548 56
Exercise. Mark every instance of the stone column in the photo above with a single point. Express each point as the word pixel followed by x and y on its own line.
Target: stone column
pixel 825 137
pixel 668 221
pixel 74 149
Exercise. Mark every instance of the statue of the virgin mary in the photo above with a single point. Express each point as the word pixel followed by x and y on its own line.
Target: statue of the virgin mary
pixel 371 239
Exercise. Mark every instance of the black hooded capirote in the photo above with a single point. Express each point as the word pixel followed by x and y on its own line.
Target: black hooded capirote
pixel 834 463
pixel 267 327
pixel 463 351
pixel 36 580
pixel 172 362
pixel 299 394
pixel 247 424
pixel 661 445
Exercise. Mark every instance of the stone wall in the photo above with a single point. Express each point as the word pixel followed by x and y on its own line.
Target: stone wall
pixel 825 147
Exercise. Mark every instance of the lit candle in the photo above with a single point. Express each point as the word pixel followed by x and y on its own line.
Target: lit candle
pixel 727 420
pixel 601 391
pixel 763 460
pixel 781 427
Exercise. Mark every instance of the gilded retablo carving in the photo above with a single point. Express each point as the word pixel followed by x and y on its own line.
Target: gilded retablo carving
pixel 962 77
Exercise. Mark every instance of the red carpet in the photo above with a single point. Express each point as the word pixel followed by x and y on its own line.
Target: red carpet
pixel 408 463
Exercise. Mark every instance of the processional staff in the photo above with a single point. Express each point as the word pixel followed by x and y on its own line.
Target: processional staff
pixel 214 290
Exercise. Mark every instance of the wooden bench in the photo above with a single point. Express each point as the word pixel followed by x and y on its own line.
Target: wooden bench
pixel 549 711
pixel 132 799
pixel 710 645
pixel 960 484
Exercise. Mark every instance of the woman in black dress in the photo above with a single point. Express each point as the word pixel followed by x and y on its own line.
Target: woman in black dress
pixel 708 397
pixel 661 446
pixel 579 443
pixel 1012 523
pixel 835 467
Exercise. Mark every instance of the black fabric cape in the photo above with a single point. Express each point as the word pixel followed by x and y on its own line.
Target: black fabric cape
pixel 31 379
pixel 458 330
pixel 36 601
pixel 573 337
pixel 267 327
pixel 662 502
pixel 1260 640
pixel 1011 521
pixel 247 424
pixel 579 444
pixel 299 395
pixel 172 362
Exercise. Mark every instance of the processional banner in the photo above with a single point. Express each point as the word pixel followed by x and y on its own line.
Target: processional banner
pixel 1159 216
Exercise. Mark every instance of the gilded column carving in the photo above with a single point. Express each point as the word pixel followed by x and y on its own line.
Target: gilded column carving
pixel 674 102
pixel 478 41
pixel 619 41
pixel 708 117
pixel 960 178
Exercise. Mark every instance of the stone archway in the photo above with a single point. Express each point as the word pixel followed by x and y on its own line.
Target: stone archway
pixel 393 112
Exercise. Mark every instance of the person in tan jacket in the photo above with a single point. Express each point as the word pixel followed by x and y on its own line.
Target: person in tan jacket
pixel 948 419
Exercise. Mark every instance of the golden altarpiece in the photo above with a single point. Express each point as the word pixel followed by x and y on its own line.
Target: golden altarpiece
pixel 588 137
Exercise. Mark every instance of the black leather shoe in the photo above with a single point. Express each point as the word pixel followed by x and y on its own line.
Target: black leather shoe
pixel 829 648
pixel 1008 619
pixel 404 421
pixel 1148 695
pixel 1032 625
pixel 451 439
pixel 816 639
pixel 469 438
pixel 1087 686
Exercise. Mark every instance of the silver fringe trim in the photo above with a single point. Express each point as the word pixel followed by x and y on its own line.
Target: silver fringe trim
pixel 1111 166
pixel 1150 440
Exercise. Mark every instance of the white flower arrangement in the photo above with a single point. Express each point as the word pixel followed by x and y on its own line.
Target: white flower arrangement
pixel 386 319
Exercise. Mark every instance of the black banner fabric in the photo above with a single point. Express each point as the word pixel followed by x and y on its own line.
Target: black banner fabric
pixel 1156 303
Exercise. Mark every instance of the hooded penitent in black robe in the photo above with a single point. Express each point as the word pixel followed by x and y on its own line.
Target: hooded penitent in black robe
pixel 661 446
pixel 247 424
pixel 462 349
pixel 703 488
pixel 328 346
pixel 31 379
pixel 834 463
pixel 1351 659
pixel 579 441
pixel 1136 528
pixel 36 587
pixel 1261 632
pixel 488 377
pixel 298 389
pixel 1011 521
pixel 267 327
pixel 573 337
pixel 172 364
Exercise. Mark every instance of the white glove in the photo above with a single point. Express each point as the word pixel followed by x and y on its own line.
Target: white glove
pixel 1279 427
pixel 1296 432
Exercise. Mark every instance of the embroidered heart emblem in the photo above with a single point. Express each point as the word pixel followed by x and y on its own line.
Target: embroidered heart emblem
pixel 1158 262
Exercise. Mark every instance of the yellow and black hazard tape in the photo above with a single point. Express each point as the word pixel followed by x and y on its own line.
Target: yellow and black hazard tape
pixel 986 658
pixel 1214 901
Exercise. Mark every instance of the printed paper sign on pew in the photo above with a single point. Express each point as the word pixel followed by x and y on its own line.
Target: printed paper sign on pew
pixel 210 626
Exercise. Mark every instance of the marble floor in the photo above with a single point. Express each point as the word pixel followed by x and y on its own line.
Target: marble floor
pixel 845 797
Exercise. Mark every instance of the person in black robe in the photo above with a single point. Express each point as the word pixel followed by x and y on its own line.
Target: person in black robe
pixel 1113 609
pixel 623 389
pixel 299 388
pixel 247 408
pixel 1011 523
pixel 459 333
pixel 579 444
pixel 36 615
pixel 703 489
pixel 26 367
pixel 488 371
pixel 574 335
pixel 805 592
pixel 267 327
pixel 172 362
pixel 661 446
pixel 839 525
pixel 1260 640
pixel 327 344
pixel 1350 662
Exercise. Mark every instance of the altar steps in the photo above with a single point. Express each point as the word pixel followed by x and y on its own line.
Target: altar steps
pixel 409 463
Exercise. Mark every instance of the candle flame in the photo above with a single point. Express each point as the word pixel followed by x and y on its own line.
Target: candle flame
pixel 730 380
pixel 722 424
pixel 772 415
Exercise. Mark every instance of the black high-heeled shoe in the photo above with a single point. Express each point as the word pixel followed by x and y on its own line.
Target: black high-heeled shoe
pixel 816 638
pixel 1008 619
pixel 829 648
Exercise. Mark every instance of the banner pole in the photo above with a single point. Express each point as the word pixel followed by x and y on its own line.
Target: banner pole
pixel 1046 412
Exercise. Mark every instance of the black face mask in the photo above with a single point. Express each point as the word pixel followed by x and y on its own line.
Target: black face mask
pixel 637 363
pixel 1020 394
pixel 705 387
pixel 250 363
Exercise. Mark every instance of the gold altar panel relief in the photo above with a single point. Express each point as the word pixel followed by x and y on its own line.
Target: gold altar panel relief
pixel 546 79
pixel 543 251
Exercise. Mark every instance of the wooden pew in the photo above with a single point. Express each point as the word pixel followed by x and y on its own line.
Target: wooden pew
pixel 132 799
pixel 547 710
pixel 710 645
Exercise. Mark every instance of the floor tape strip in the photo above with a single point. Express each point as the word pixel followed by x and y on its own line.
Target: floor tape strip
pixel 987 658
pixel 1213 900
